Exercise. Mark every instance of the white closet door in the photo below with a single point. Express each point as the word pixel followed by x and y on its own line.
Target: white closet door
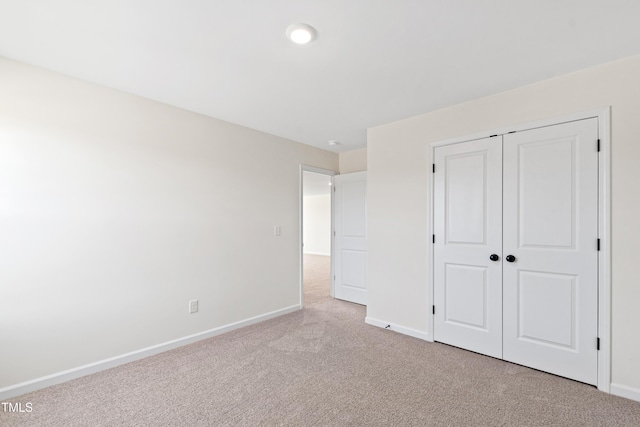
pixel 468 230
pixel 351 237
pixel 551 229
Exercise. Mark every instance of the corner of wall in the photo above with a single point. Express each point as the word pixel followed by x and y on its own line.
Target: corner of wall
pixel 353 161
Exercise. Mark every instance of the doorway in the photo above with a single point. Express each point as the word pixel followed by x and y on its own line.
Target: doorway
pixel 316 220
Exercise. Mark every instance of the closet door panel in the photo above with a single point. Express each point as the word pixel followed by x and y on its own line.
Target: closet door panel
pixel 551 228
pixel 467 225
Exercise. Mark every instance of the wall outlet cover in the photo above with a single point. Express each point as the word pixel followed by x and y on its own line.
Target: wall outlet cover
pixel 193 306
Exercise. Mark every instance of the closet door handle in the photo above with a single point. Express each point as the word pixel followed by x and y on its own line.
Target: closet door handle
pixel 494 257
pixel 510 258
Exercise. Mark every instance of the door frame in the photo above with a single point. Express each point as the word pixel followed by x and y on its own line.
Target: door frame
pixel 306 168
pixel 604 224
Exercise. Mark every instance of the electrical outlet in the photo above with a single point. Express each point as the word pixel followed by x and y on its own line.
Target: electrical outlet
pixel 276 230
pixel 193 306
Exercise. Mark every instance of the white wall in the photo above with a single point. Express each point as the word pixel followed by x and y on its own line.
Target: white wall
pixel 317 224
pixel 399 200
pixel 116 210
pixel 353 161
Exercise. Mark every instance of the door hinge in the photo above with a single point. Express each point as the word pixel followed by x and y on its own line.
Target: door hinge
pixel 433 168
pixel 513 131
pixel 334 233
pixel 433 238
pixel 433 309
pixel 598 244
pixel 491 136
pixel 598 145
pixel 598 343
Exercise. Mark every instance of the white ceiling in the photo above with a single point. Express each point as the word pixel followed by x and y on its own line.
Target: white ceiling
pixel 373 62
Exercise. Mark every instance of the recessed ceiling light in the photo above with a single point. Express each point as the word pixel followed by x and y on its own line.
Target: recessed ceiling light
pixel 301 33
pixel 334 142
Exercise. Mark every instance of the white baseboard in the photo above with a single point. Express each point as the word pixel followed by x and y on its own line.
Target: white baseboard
pixel 91 368
pixel 625 391
pixel 398 328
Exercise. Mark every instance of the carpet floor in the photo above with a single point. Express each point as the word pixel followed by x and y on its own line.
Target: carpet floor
pixel 321 366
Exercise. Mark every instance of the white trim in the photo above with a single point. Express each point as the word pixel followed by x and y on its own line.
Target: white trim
pixel 307 168
pixel 431 227
pixel 625 391
pixel 332 274
pixel 598 112
pixel 604 227
pixel 604 260
pixel 91 368
pixel 331 173
pixel 398 328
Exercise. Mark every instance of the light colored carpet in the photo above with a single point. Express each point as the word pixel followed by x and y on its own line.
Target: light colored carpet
pixel 322 366
pixel 317 278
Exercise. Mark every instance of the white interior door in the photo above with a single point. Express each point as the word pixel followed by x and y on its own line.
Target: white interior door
pixel 350 260
pixel 468 230
pixel 551 229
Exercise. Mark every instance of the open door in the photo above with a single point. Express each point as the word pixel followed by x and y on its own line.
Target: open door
pixel 350 244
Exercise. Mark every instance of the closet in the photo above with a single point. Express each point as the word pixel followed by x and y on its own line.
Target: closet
pixel 516 247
